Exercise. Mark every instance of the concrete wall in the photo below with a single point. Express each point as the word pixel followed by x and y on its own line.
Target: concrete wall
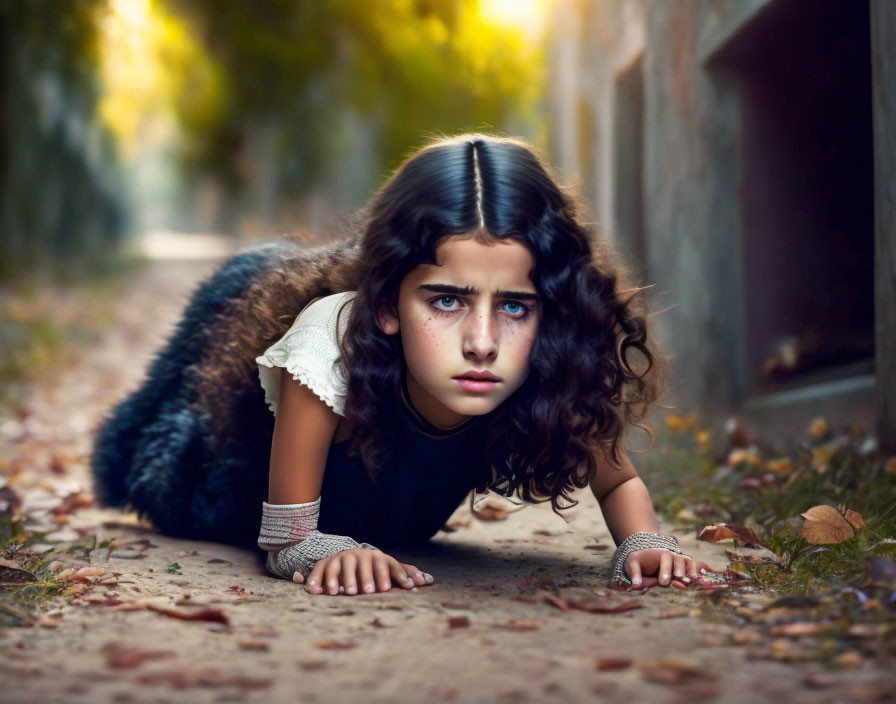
pixel 692 168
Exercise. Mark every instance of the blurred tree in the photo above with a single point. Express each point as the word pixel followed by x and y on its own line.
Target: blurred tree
pixel 306 80
pixel 60 203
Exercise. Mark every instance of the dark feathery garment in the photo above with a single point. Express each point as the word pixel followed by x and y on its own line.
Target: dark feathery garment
pixel 154 453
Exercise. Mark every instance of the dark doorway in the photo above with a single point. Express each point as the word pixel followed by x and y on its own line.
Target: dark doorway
pixel 803 70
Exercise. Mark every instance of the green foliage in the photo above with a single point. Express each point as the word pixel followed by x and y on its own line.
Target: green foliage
pixel 295 69
pixel 172 567
pixel 694 489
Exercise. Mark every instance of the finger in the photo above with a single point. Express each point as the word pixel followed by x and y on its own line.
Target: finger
pixel 365 572
pixel 678 566
pixel 420 578
pixel 349 573
pixel 633 569
pixel 402 578
pixel 381 573
pixel 315 577
pixel 665 571
pixel 331 575
pixel 692 567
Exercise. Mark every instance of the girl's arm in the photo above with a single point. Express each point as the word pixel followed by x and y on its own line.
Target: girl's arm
pixel 303 432
pixel 628 510
pixel 623 498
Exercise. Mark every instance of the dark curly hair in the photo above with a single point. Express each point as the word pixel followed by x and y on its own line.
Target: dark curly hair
pixel 594 370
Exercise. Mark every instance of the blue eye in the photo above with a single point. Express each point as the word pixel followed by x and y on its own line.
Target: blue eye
pixel 442 299
pixel 446 305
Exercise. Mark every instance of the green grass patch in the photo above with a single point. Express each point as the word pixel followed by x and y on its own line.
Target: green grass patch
pixel 767 491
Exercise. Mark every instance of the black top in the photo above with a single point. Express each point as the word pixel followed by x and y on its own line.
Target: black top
pixel 417 489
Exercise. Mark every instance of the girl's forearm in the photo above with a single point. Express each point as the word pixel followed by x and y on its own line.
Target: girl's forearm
pixel 628 509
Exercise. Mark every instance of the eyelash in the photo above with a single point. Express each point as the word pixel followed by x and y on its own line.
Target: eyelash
pixel 526 310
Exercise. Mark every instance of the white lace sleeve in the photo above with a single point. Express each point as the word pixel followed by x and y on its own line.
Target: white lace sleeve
pixel 309 351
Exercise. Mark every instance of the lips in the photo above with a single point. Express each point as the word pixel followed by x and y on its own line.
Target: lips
pixel 478 376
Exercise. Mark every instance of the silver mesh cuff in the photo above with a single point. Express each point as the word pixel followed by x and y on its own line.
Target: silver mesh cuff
pixel 302 557
pixel 639 541
pixel 286 524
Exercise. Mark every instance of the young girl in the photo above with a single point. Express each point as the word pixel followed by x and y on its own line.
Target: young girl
pixel 475 336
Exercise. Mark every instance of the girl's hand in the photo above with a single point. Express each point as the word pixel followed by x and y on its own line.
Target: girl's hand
pixel 361 570
pixel 661 564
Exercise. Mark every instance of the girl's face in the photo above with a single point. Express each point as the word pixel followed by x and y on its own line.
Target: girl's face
pixel 476 312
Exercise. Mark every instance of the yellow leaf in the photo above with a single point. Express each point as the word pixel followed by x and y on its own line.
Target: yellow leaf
pixel 780 466
pixel 819 427
pixel 825 524
pixel 740 454
pixel 821 456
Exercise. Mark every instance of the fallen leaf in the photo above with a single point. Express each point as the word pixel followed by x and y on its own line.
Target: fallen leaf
pixel 819 428
pixel 12 574
pixel 121 656
pixel 674 671
pixel 515 624
pixel 458 622
pixel 613 662
pixel 725 531
pixel 800 628
pixel 330 644
pixel 747 455
pixel 599 605
pixel 825 525
pixel 254 645
pixel 215 615
pixel 490 512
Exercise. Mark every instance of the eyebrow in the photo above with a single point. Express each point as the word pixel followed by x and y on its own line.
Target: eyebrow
pixel 470 291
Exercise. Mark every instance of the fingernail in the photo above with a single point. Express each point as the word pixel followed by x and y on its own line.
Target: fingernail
pixel 352 590
pixel 385 586
pixel 368 587
pixel 685 579
pixel 665 576
pixel 312 582
pixel 428 577
pixel 636 580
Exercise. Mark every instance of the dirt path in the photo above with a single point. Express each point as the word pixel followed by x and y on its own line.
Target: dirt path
pixel 483 632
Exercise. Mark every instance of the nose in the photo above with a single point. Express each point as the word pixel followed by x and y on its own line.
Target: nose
pixel 480 337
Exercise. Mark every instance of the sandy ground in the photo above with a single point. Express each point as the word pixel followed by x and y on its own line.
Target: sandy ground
pixel 481 633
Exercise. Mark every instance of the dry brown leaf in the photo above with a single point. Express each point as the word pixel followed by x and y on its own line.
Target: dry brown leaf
pixel 330 644
pixel 724 531
pixel 613 662
pixel 215 615
pixel 800 628
pixel 855 519
pixel 490 512
pixel 826 525
pixel 120 656
pixel 517 624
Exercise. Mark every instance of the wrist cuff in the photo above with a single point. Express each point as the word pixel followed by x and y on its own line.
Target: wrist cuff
pixel 639 541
